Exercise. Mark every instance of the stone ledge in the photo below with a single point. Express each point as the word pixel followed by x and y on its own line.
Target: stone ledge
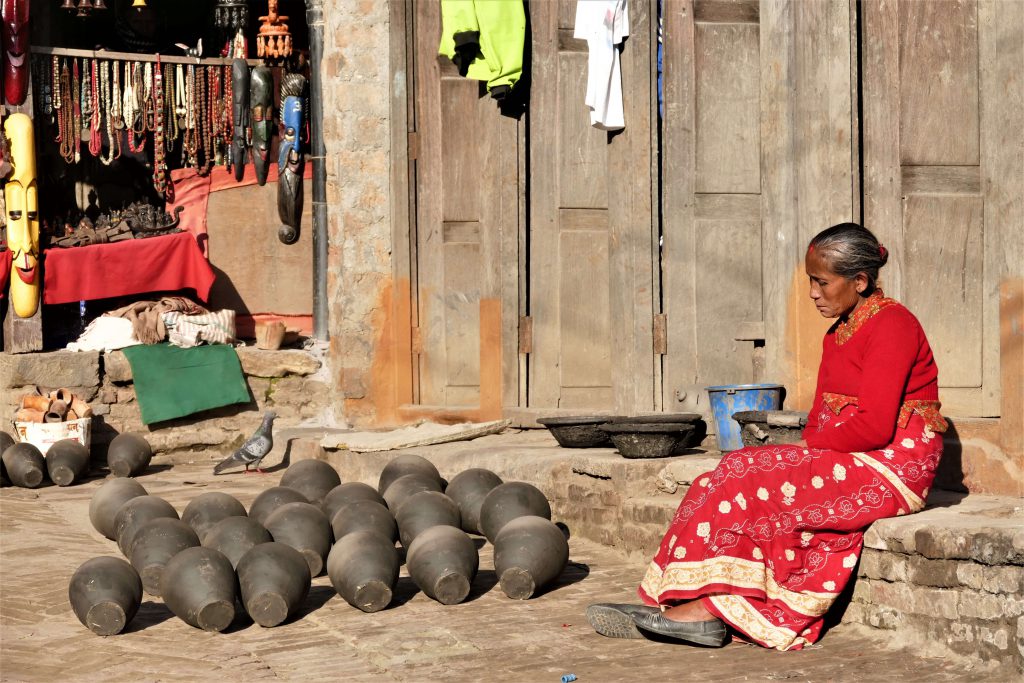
pixel 75 369
pixel 255 363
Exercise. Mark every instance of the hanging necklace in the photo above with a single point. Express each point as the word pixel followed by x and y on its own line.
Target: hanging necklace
pixel 226 112
pixel 115 104
pixel 191 143
pixel 138 124
pixel 76 119
pixel 159 151
pixel 56 83
pixel 170 120
pixel 148 102
pixel 95 118
pixel 106 103
pixel 179 95
pixel 128 102
pixel 66 119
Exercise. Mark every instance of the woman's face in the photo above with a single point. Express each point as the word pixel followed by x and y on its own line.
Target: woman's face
pixel 833 295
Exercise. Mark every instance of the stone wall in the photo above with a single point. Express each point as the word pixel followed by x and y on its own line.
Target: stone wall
pixel 291 382
pixel 357 92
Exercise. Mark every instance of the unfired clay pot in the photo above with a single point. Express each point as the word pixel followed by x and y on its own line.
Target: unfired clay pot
pixel 108 499
pixel 303 527
pixel 363 567
pixel 128 455
pixel 271 499
pixel 155 544
pixel 67 461
pixel 529 553
pixel 312 478
pixel 404 487
pixel 200 588
pixel 235 536
pixel 402 465
pixel 205 510
pixel 443 562
pixel 274 580
pixel 135 514
pixel 364 515
pixel 105 594
pixel 424 510
pixel 468 489
pixel 508 501
pixel 349 492
pixel 25 465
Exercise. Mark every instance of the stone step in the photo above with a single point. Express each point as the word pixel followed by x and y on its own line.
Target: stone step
pixel 948 580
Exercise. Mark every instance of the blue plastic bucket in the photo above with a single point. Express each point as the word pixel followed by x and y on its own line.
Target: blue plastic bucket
pixel 732 398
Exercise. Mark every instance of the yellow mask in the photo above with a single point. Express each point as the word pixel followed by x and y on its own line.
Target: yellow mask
pixel 23 216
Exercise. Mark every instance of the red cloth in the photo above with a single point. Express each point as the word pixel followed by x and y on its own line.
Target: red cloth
pixel 884 360
pixel 100 271
pixel 5 271
pixel 772 536
pixel 192 191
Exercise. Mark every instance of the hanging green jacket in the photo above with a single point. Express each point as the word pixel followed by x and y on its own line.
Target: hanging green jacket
pixel 484 38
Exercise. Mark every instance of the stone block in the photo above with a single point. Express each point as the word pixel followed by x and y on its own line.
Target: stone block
pixel 887 566
pixel 930 602
pixel 990 607
pixel 107 394
pixel 100 408
pixel 1006 579
pixel 260 363
pixel 116 367
pixel 125 395
pixel 938 573
pixel 68 368
pixel 186 438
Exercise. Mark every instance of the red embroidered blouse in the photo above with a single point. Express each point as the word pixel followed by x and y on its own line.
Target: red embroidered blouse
pixel 879 360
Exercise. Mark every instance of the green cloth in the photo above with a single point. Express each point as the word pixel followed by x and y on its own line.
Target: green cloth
pixel 492 32
pixel 174 382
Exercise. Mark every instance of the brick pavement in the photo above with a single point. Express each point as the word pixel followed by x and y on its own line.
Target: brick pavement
pixel 45 534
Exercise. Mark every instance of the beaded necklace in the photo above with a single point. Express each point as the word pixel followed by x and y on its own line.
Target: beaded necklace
pixel 66 120
pixel 76 120
pixel 95 115
pixel 159 151
pixel 106 103
pixel 170 120
pixel 136 124
pixel 149 116
pixel 115 104
pixel 227 112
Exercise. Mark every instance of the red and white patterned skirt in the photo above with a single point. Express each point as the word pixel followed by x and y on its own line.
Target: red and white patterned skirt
pixel 769 539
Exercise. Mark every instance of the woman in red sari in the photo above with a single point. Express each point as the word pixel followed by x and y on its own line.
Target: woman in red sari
pixel 767 541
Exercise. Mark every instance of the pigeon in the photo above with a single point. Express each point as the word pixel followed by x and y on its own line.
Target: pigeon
pixel 254 449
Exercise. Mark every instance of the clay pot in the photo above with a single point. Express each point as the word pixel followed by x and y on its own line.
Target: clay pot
pixel 6 441
pixel 424 510
pixel 443 562
pixel 407 464
pixel 349 492
pixel 409 485
pixel 364 515
pixel 200 588
pixel 128 455
pixel 67 461
pixel 25 465
pixel 312 478
pixel 508 501
pixel 105 593
pixel 271 499
pixel 468 489
pixel 270 335
pixel 363 567
pixel 154 545
pixel 204 511
pixel 108 499
pixel 529 553
pixel 135 514
pixel 274 580
pixel 35 402
pixel 235 536
pixel 578 431
pixel 648 439
pixel 303 527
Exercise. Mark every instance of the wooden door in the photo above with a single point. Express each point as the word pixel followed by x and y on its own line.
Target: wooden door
pixel 759 154
pixel 465 246
pixel 591 264
pixel 943 174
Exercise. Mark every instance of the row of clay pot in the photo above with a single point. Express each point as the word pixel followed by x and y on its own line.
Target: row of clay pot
pixel 199 563
pixel 67 461
pixel 59 405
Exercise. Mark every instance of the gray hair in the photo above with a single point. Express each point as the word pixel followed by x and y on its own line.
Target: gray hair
pixel 849 249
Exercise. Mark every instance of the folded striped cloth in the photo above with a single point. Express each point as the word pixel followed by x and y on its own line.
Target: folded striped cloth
pixel 186 331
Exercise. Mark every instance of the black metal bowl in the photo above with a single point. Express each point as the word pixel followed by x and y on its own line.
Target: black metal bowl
pixel 647 440
pixel 578 431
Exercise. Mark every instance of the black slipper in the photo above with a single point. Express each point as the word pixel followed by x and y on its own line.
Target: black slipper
pixel 616 620
pixel 712 633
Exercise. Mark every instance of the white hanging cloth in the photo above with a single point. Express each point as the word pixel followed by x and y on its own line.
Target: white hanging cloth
pixel 604 24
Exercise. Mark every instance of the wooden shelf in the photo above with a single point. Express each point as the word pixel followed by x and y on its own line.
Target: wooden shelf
pixel 135 57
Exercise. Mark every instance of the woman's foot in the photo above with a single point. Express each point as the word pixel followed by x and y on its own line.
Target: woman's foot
pixel 691 611
pixel 616 620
